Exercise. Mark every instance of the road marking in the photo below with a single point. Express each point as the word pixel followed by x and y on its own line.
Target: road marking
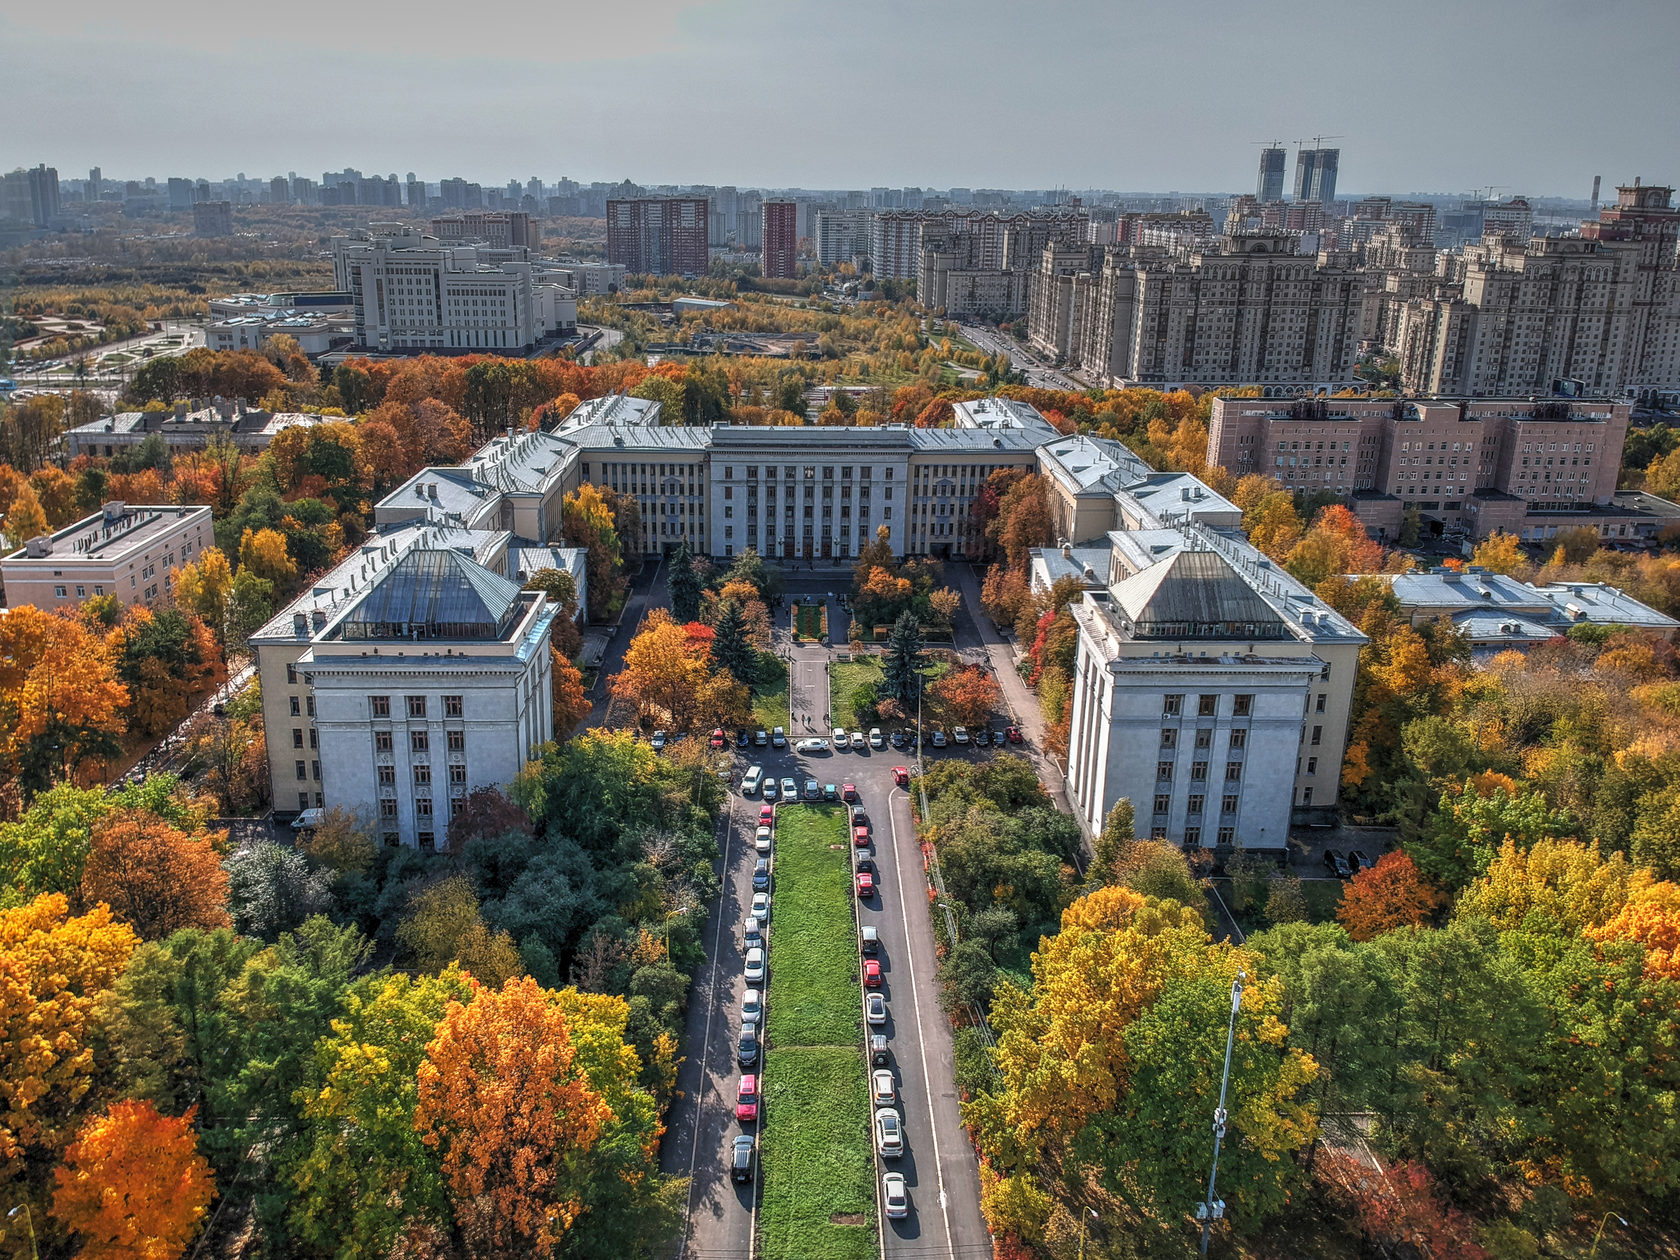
pixel 706 1044
pixel 921 1037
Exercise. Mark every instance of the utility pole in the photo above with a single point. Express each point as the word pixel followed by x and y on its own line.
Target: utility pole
pixel 1212 1209
pixel 1092 1212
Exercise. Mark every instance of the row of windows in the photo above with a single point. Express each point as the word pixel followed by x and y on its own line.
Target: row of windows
pixel 790 471
pixel 1204 737
pixel 381 706
pixel 1196 803
pixel 1206 705
pixel 419 741
pixel 1198 771
pixel 1193 835
pixel 422 774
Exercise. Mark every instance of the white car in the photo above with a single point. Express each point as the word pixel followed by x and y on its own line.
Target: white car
pixel 889 1133
pixel 760 906
pixel 882 1081
pixel 895 1196
pixel 811 746
pixel 752 780
pixel 754 970
pixel 789 791
pixel 752 1009
pixel 841 741
pixel 858 741
pixel 875 1008
pixel 960 734
pixel 876 739
pixel 761 840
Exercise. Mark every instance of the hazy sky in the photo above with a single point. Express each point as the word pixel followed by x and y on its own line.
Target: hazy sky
pixel 1535 96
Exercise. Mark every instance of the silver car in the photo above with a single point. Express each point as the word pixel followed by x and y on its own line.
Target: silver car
pixel 889 1133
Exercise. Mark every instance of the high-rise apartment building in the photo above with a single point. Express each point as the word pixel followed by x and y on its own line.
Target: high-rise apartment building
pixel 212 218
pixel 1269 187
pixel 279 191
pixel 779 235
pixel 660 236
pixel 841 235
pixel 1315 175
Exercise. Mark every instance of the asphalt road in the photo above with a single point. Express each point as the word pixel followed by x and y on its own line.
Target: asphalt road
pixel 938 1164
pixel 1039 374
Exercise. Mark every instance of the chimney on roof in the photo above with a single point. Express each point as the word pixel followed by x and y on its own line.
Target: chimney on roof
pixel 431 490
pixel 180 408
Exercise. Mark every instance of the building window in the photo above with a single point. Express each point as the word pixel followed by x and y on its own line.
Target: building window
pixel 1233 771
pixel 1169 738
pixel 291 675
pixel 1319 708
pixel 1306 796
pixel 315 771
pixel 1163 771
pixel 1242 706
pixel 60 592
pixel 419 741
pixel 422 807
pixel 1172 706
pixel 387 809
pixel 1193 836
pixel 1239 738
pixel 1163 803
pixel 452 706
pixel 457 741
pixel 297 707
pixel 302 771
pixel 1318 734
pixel 1157 833
pixel 1227 835
pixel 381 705
pixel 382 741
pixel 303 801
pixel 1204 738
pixel 387 776
pixel 1198 771
pixel 1312 765
pixel 457 774
pixel 297 737
pixel 1197 800
pixel 417 706
pixel 422 775
pixel 1228 803
pixel 309 705
pixel 1207 706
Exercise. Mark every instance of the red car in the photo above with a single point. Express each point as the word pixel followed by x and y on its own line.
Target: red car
pixel 901 775
pixel 766 815
pixel 865 885
pixel 871 973
pixel 718 738
pixel 860 837
pixel 746 1099
pixel 848 792
pixel 1013 734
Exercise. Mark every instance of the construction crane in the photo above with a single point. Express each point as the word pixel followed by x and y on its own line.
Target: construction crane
pixel 1318 141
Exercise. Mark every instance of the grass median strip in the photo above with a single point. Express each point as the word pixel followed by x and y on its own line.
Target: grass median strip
pixel 818 1191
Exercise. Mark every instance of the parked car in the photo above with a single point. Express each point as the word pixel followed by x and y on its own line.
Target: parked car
pixel 848 792
pixel 761 875
pixel 876 739
pixel 746 1099
pixel 865 883
pixel 895 1196
pixel 901 776
pixel 742 739
pixel 1357 859
pixel 778 738
pixel 741 1159
pixel 870 941
pixel 882 1087
pixel 960 734
pixel 871 973
pixel 897 739
pixel 860 837
pixel 658 741
pixel 831 791
pixel 746 1046
pixel 770 792
pixel 939 740
pixel 1336 864
pixel 752 933
pixel 753 971
pixel 761 839
pixel 889 1133
pixel 752 780
pixel 875 1008
pixel 789 791
pixel 1013 734
pixel 760 739
pixel 813 790
pixel 752 1006
pixel 842 741
pixel 879 1053
pixel 859 741
pixel 811 747
pixel 766 815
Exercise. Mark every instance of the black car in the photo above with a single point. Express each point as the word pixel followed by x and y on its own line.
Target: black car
pixel 1336 864
pixel 741 1161
pixel 746 1049
pixel 898 739
pixel 879 1055
pixel 742 739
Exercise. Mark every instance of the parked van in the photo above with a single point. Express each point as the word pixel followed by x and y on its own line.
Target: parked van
pixel 752 780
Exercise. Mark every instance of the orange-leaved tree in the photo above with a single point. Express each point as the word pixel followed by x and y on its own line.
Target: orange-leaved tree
pixel 1392 894
pixel 571 705
pixel 60 700
pixel 506 1105
pixel 1651 917
pixel 969 695
pixel 52 970
pixel 154 876
pixel 133 1185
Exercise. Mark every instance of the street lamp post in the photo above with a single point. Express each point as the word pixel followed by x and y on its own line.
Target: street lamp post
pixel 29 1219
pixel 1092 1213
pixel 1621 1221
pixel 1212 1209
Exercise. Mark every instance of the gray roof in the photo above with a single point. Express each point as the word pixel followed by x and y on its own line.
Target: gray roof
pixel 434 592
pixel 1195 594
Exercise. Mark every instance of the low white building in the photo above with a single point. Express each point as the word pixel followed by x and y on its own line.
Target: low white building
pixel 413 673
pixel 186 429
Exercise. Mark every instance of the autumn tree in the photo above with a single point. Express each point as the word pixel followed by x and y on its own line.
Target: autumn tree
pixel 55 967
pixel 1118 833
pixel 25 519
pixel 571 704
pixel 156 877
pixel 263 552
pixel 1024 520
pixel 133 1185
pixel 968 695
pixel 60 700
pixel 588 522
pixel 1336 543
pixel 443 925
pixel 945 602
pixel 1651 917
pixel 662 673
pixel 1501 552
pixel 204 587
pixel 1391 894
pixel 504 1103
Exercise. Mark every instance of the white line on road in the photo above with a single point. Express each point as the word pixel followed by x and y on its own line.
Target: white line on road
pixel 921 1036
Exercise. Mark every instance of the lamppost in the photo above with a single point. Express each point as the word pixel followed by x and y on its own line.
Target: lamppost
pixel 1212 1209
pixel 1619 1220
pixel 1092 1212
pixel 29 1219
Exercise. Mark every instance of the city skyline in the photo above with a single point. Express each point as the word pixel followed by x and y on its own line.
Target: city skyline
pixel 484 116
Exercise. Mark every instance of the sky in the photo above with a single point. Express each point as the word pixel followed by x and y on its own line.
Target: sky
pixel 1529 96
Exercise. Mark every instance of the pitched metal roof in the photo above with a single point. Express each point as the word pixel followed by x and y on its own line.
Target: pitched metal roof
pixel 435 593
pixel 1195 594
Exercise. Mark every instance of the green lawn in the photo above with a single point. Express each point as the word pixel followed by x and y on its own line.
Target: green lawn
pixel 814 1150
pixel 814 1157
pixel 813 949
pixel 770 705
pixel 845 678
